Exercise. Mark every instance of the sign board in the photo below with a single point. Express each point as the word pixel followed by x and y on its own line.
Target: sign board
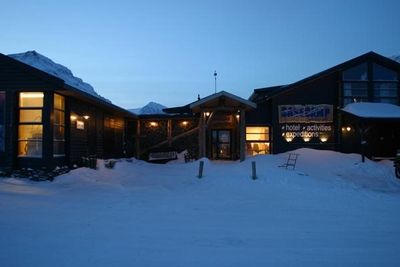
pixel 322 113
pixel 80 125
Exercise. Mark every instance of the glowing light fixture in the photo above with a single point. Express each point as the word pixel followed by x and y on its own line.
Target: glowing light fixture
pixel 289 139
pixel 153 123
pixel 86 117
pixel 306 139
pixel 324 139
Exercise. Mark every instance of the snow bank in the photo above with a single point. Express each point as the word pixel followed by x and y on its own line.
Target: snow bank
pixel 332 210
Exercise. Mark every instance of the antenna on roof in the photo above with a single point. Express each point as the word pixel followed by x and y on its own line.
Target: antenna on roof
pixel 215 77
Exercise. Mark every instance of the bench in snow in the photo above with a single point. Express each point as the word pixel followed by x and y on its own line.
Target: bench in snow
pixel 166 155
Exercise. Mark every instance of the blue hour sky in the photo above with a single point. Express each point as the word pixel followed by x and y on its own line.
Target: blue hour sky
pixel 133 51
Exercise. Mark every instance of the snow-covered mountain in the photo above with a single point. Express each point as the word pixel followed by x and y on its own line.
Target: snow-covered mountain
pixel 45 64
pixel 150 108
pixel 395 58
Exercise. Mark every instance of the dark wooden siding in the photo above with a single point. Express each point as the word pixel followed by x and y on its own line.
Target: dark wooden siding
pixel 6 156
pixel 16 77
pixel 322 90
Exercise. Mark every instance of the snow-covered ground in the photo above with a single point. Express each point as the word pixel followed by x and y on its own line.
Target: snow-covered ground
pixel 332 210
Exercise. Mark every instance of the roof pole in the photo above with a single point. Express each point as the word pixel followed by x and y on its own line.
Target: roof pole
pixel 215 77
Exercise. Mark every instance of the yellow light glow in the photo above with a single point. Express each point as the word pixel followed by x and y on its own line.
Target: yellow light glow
pixel 306 139
pixel 184 123
pixel 153 123
pixel 348 128
pixel 323 139
pixel 86 117
pixel 73 118
pixel 289 139
pixel 207 113
pixel 32 95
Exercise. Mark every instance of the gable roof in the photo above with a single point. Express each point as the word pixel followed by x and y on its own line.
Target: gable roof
pixel 233 100
pixel 370 56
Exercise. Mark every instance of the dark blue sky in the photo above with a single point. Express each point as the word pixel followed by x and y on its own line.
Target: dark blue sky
pixel 133 52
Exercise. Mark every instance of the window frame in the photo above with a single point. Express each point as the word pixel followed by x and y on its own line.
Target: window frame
pixel 261 145
pixel 30 146
pixel 59 126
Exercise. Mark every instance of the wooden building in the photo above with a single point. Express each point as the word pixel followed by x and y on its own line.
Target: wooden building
pixel 309 113
pixel 45 123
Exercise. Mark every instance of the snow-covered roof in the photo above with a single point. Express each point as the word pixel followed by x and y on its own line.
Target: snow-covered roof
pixel 38 61
pixel 373 110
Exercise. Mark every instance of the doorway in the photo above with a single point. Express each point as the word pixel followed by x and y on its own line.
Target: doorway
pixel 221 144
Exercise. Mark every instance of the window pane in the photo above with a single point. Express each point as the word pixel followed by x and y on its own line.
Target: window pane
pixel 381 73
pixel 30 131
pixel 59 117
pixel 58 133
pixel 59 102
pixel 30 148
pixel 30 115
pixel 386 89
pixel 257 133
pixel 58 148
pixel 358 73
pixel 30 100
pixel 255 148
pixel 355 89
pixel 224 136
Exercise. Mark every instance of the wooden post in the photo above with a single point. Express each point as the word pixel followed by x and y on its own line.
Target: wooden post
pixel 201 169
pixel 242 134
pixel 253 168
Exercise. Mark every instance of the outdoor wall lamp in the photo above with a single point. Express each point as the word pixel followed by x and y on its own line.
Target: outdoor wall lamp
pixel 184 123
pixel 289 139
pixel 207 113
pixel 154 124
pixel 324 139
pixel 86 117
pixel 306 139
pixel 73 118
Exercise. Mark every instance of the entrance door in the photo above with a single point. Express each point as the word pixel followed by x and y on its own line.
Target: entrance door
pixel 221 144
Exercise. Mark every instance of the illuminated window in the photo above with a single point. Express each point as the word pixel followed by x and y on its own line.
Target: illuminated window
pixel 257 140
pixel 59 126
pixel 2 120
pixel 30 128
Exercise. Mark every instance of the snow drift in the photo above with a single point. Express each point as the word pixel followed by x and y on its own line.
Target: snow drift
pixel 332 210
